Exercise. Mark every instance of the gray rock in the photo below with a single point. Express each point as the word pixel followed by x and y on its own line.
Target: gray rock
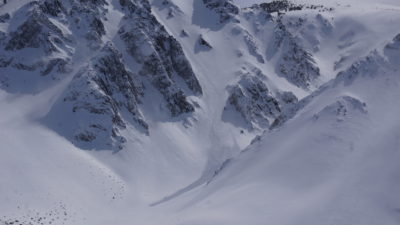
pixel 4 18
pixel 253 100
pixel 58 65
pixel 226 9
pixel 202 42
pixel 160 55
pixel 36 32
pixel 294 63
pixel 52 7
pixel 102 99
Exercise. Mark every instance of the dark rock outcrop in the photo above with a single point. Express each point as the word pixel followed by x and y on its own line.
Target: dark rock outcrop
pixel 226 9
pixel 105 94
pixel 99 102
pixel 252 99
pixel 256 103
pixel 36 32
pixel 4 18
pixel 202 42
pixel 52 7
pixel 294 63
pixel 58 65
pixel 43 30
pixel 161 56
pixel 252 47
pixel 280 6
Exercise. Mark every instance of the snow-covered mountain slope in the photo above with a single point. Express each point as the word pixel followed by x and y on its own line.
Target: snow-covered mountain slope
pixel 335 162
pixel 199 112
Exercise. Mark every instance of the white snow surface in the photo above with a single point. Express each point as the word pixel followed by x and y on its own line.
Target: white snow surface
pixel 335 162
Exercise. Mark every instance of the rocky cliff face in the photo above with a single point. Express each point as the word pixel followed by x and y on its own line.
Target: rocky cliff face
pixel 113 72
pixel 252 99
pixel 289 42
pixel 293 62
pixel 256 104
pixel 376 62
pixel 162 57
pixel 48 37
pixel 101 100
pixel 225 9
pixel 291 39
pixel 60 39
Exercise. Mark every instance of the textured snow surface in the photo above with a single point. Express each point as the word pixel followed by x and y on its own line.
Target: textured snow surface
pixel 260 137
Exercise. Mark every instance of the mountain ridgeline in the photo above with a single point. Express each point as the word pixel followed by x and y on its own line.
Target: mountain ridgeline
pixel 58 38
pixel 121 64
pixel 182 112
